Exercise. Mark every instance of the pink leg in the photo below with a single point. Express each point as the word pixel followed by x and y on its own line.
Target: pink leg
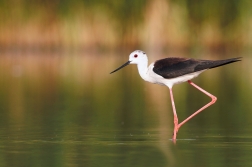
pixel 201 109
pixel 175 117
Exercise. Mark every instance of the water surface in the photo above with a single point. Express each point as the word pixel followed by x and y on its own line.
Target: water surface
pixel 69 111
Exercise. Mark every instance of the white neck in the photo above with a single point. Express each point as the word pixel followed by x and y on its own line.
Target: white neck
pixel 142 69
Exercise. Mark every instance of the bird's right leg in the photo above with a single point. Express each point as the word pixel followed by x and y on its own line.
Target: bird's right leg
pixel 204 107
pixel 175 117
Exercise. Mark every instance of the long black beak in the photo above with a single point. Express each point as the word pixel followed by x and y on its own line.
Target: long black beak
pixel 127 63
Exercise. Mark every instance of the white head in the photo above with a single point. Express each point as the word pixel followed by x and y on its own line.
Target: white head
pixel 136 57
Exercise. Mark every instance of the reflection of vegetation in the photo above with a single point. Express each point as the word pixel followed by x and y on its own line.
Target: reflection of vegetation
pixel 61 107
pixel 60 86
pixel 111 23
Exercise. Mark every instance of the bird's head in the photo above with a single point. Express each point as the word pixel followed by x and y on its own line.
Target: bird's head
pixel 135 57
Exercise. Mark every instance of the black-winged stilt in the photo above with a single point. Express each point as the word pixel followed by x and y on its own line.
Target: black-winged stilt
pixel 174 70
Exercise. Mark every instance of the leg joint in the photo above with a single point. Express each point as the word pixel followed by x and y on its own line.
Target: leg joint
pixel 214 99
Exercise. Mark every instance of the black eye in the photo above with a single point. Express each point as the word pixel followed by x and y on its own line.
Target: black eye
pixel 135 55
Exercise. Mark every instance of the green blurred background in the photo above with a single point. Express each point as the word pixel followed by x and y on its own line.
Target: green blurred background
pixel 101 25
pixel 59 106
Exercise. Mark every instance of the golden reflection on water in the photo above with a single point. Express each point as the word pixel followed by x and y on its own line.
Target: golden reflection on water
pixel 43 77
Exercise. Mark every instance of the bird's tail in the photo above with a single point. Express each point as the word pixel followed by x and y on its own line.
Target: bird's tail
pixel 216 63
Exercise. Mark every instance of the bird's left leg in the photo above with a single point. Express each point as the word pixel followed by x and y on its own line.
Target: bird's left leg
pixel 204 107
pixel 175 117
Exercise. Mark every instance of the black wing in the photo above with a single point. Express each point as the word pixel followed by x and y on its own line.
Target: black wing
pixel 174 67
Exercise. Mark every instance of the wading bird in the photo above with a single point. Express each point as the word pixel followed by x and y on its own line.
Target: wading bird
pixel 174 70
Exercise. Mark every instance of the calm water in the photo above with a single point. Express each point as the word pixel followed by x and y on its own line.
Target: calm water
pixel 68 111
pixel 33 146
